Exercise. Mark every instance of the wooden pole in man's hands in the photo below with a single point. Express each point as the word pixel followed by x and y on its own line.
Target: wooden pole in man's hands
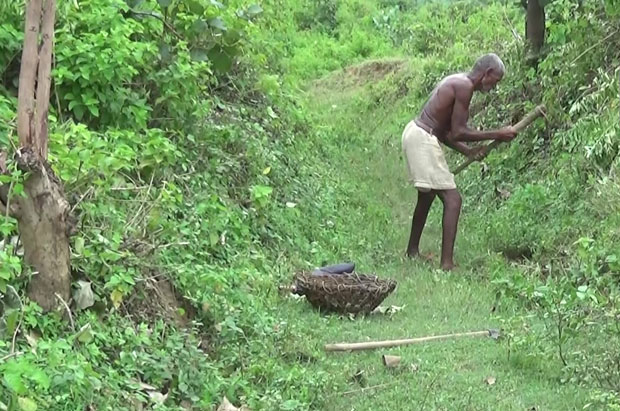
pixel 520 126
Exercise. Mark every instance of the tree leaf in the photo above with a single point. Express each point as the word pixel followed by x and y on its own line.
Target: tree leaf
pixel 79 245
pixel 254 10
pixel 78 110
pixel 217 23
pixel 26 404
pixel 200 26
pixel 199 54
pixel 222 62
pixel 195 7
pixel 11 298
pixel 117 298
pixel 84 296
pixel 85 335
pixel 13 379
pixel 164 52
pixel 164 3
pixel 217 4
pixel 11 317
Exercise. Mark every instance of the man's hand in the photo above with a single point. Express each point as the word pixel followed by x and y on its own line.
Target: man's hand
pixel 506 134
pixel 477 153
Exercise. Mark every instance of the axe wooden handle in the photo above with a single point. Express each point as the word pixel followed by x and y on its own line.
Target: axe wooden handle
pixel 394 343
pixel 520 126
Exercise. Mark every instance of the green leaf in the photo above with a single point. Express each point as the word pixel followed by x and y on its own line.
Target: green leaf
pixel 40 377
pixel 254 10
pixel 11 318
pixel 85 335
pixel 11 298
pixel 164 52
pixel 94 110
pixel 222 62
pixel 79 112
pixel 164 3
pixel 79 245
pixel 217 4
pixel 26 404
pixel 213 239
pixel 14 380
pixel 199 54
pixel 217 23
pixel 195 7
pixel 200 26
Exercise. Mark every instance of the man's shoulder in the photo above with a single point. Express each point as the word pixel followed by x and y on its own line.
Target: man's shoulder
pixel 459 83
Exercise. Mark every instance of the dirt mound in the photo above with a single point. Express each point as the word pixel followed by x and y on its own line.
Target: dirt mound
pixel 156 298
pixel 361 74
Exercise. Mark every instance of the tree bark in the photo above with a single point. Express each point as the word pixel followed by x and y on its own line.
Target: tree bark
pixel 44 229
pixel 27 75
pixel 535 26
pixel 44 80
pixel 43 214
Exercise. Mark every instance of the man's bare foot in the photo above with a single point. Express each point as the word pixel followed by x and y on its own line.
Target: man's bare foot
pixel 413 253
pixel 416 255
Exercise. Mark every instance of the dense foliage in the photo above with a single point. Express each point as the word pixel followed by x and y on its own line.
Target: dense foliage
pixel 203 177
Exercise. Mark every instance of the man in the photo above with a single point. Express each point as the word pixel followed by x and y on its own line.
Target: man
pixel 444 119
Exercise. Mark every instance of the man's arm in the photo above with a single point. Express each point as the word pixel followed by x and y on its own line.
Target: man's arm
pixel 458 146
pixel 460 113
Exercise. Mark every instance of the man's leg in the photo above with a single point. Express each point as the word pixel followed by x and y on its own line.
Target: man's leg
pixel 425 200
pixel 451 211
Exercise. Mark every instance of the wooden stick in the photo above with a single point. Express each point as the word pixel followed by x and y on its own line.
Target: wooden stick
pixel 394 343
pixel 520 126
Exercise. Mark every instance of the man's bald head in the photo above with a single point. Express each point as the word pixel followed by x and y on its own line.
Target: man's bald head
pixel 489 61
pixel 487 72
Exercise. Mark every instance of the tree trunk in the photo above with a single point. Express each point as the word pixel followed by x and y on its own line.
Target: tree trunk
pixel 44 229
pixel 43 214
pixel 535 26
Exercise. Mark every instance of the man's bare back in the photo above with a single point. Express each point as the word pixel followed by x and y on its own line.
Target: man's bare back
pixel 436 116
pixel 446 112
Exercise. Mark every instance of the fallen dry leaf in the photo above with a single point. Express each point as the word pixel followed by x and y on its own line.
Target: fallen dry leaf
pixel 490 380
pixel 158 396
pixel 226 406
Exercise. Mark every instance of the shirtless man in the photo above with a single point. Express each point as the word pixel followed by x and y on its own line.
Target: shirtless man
pixel 444 119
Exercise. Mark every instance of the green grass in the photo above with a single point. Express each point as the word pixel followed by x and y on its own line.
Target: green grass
pixel 448 375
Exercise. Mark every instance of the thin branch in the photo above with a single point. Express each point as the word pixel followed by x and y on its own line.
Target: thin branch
pixel 146 197
pixel 368 388
pixel 44 80
pixel 11 355
pixel 21 317
pixel 158 17
pixel 90 189
pixel 512 28
pixel 593 46
pixel 128 188
pixel 7 210
pixel 28 73
pixel 67 308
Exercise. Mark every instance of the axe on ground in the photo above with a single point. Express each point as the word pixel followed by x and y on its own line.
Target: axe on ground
pixel 520 126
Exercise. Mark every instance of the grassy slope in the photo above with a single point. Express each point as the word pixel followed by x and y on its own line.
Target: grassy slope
pixel 450 374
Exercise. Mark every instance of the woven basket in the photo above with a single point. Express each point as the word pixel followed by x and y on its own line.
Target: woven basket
pixel 343 293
